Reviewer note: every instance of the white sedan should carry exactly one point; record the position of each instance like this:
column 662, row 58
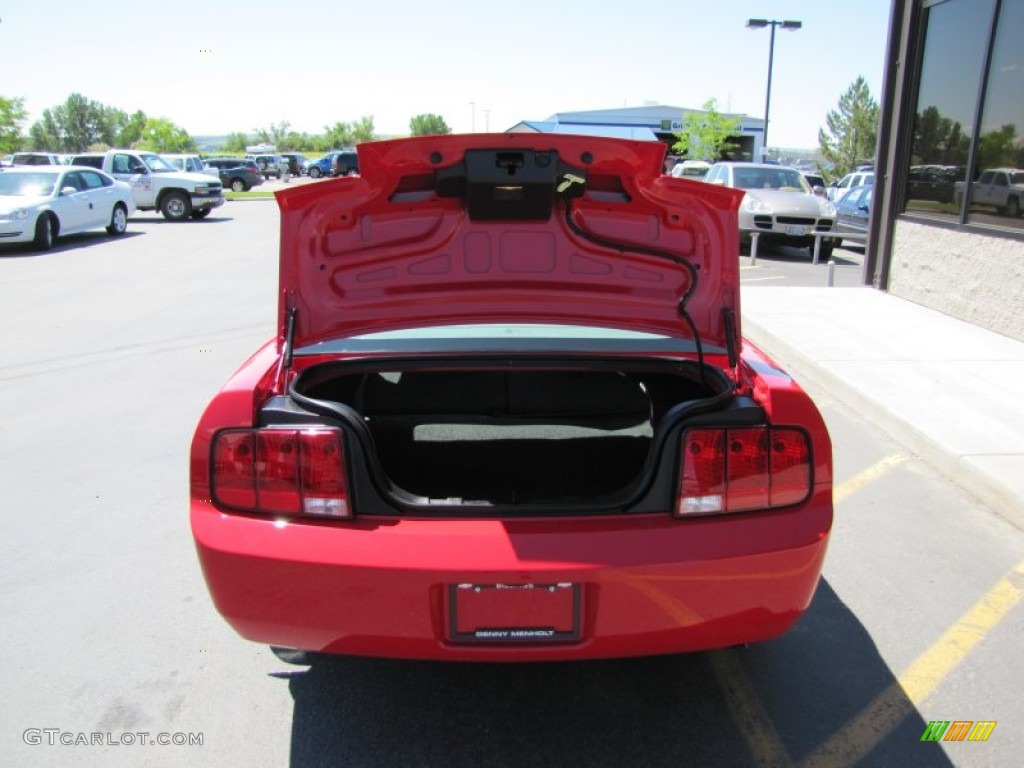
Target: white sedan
column 40, row 203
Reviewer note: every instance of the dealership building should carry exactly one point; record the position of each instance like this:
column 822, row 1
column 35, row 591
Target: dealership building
column 953, row 111
column 654, row 122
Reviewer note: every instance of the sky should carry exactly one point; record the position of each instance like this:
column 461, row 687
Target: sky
column 224, row 66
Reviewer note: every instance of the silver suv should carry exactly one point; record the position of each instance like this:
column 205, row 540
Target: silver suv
column 270, row 165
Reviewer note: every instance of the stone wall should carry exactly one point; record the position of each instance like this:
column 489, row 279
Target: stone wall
column 974, row 277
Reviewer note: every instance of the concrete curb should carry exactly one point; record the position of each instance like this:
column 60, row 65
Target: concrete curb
column 821, row 382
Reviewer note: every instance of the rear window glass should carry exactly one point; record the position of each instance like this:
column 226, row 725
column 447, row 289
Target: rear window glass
column 92, row 162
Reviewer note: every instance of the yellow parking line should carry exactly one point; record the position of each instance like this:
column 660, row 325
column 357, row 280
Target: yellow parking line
column 749, row 714
column 862, row 734
column 869, row 475
column 762, row 738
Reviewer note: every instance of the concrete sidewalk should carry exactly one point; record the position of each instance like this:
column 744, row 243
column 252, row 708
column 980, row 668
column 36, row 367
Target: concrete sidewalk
column 951, row 391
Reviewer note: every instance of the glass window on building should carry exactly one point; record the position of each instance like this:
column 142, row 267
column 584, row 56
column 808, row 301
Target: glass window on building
column 997, row 194
column 955, row 45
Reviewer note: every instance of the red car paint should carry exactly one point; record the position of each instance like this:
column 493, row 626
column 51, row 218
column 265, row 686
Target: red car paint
column 388, row 251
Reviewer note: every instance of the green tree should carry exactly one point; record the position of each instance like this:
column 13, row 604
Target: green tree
column 704, row 135
column 45, row 133
column 12, row 115
column 428, row 125
column 998, row 148
column 73, row 126
column 82, row 122
column 344, row 134
column 125, row 130
column 277, row 135
column 298, row 142
column 938, row 140
column 236, row 142
column 852, row 129
column 161, row 135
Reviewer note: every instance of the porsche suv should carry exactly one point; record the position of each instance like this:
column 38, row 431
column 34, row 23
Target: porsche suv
column 508, row 414
column 779, row 204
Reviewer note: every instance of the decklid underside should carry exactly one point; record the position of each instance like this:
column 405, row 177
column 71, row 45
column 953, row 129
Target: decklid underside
column 509, row 228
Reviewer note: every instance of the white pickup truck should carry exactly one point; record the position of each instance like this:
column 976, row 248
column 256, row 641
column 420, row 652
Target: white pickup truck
column 158, row 185
column 1001, row 188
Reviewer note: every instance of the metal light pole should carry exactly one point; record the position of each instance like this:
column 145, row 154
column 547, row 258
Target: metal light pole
column 761, row 24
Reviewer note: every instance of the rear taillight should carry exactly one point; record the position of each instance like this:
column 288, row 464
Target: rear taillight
column 281, row 472
column 742, row 469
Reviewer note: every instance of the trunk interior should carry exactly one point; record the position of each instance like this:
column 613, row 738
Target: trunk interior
column 507, row 436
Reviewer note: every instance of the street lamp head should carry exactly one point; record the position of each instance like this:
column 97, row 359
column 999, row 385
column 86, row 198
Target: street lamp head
column 757, row 23
column 792, row 24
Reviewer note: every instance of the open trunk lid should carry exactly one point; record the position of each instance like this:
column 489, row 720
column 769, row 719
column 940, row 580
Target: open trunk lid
column 509, row 228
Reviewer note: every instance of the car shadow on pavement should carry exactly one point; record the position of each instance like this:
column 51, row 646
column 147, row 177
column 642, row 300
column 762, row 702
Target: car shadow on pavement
column 156, row 218
column 791, row 701
column 74, row 242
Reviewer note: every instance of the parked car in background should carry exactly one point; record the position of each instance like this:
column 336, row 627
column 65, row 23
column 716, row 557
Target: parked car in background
column 270, row 165
column 190, row 163
column 156, row 184
column 934, row 182
column 999, row 188
column 853, row 213
column 6, row 160
column 816, row 182
column 779, row 204
column 319, row 167
column 848, row 182
column 235, row 174
column 338, row 162
column 297, row 162
column 344, row 163
column 37, row 158
column 691, row 169
column 38, row 204
column 510, row 421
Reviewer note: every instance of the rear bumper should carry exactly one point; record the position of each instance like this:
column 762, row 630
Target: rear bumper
column 648, row 584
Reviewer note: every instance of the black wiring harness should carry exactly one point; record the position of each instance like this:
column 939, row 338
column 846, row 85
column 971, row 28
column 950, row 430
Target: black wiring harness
column 569, row 180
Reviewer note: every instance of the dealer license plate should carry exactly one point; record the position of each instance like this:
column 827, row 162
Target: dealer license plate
column 514, row 613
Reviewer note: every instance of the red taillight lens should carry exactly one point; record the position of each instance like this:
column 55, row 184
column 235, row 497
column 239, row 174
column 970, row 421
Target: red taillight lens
column 737, row 470
column 702, row 485
column 747, row 471
column 791, row 467
column 234, row 469
column 281, row 472
column 277, row 471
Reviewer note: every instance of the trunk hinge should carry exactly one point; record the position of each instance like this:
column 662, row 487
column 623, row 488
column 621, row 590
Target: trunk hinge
column 289, row 338
column 285, row 363
column 731, row 342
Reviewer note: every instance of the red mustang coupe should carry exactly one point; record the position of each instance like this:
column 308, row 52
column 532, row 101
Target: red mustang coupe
column 509, row 415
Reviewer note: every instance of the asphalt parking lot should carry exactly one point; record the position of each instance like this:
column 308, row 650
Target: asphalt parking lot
column 112, row 347
column 779, row 265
